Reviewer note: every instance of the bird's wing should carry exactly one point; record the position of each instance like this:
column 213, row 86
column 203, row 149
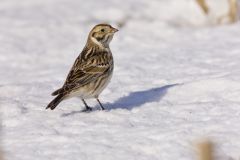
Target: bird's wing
column 84, row 72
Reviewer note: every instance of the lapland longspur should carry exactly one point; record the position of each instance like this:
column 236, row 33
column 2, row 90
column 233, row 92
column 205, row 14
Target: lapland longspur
column 91, row 71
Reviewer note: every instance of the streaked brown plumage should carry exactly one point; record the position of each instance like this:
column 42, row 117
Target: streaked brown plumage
column 92, row 69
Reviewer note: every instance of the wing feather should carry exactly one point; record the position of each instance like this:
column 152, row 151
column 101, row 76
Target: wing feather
column 86, row 71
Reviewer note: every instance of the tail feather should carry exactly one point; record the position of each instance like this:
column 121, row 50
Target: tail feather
column 53, row 104
column 56, row 92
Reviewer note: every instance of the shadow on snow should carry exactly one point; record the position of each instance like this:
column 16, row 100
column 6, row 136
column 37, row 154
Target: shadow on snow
column 134, row 99
column 138, row 98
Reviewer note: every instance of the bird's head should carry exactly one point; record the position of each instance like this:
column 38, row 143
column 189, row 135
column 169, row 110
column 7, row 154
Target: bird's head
column 102, row 34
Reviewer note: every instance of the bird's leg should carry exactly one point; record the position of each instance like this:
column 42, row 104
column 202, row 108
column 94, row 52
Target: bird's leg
column 100, row 104
column 87, row 107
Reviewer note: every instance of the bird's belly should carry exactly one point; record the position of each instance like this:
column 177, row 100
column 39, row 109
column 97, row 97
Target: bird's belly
column 93, row 89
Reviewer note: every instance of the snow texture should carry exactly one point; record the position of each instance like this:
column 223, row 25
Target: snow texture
column 176, row 80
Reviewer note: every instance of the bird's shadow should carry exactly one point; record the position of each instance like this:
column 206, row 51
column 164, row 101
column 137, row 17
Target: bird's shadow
column 138, row 98
column 134, row 99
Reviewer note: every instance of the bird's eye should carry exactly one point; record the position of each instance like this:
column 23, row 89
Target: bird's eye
column 102, row 30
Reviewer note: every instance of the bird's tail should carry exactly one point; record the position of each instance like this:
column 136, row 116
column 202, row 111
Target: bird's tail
column 53, row 104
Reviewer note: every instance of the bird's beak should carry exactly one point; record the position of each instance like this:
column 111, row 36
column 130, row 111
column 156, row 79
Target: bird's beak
column 114, row 30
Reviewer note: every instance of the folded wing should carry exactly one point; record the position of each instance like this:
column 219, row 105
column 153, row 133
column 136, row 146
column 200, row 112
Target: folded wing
column 84, row 72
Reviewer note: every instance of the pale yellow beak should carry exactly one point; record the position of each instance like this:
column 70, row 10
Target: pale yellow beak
column 114, row 30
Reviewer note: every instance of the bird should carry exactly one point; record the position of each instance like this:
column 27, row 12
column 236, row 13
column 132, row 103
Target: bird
column 91, row 71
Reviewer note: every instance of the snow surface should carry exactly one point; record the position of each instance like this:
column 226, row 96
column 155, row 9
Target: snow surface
column 176, row 80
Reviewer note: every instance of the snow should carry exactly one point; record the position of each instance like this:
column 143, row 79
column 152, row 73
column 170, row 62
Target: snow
column 176, row 81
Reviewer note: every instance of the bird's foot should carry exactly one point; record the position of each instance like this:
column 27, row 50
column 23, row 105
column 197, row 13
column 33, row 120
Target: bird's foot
column 87, row 109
